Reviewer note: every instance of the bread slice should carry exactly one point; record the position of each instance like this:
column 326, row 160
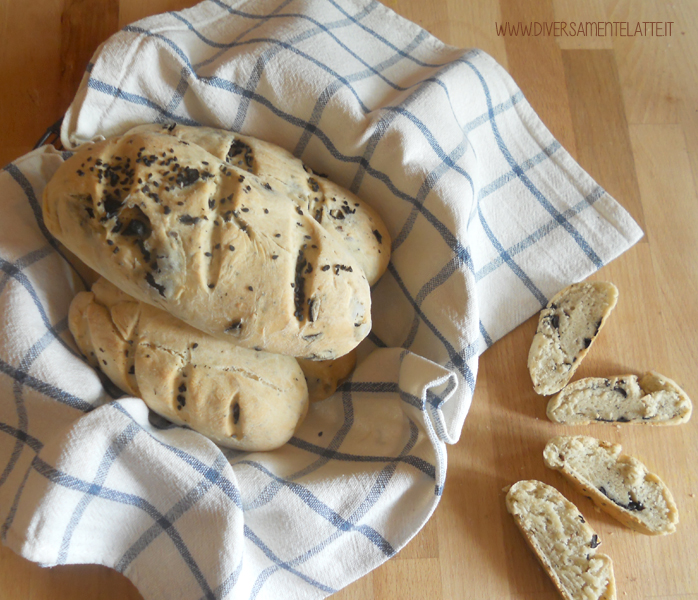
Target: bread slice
column 562, row 540
column 652, row 400
column 567, row 327
column 619, row 484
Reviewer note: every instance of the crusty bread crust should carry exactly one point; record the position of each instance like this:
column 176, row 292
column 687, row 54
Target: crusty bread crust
column 216, row 246
column 338, row 210
column 238, row 398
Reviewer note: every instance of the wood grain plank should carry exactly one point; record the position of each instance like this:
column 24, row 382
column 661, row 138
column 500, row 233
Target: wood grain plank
column 652, row 70
column 131, row 11
column 30, row 72
column 85, row 24
column 408, row 579
column 536, row 65
column 474, row 529
column 20, row 578
column 361, row 589
column 580, row 18
column 424, row 545
column 600, row 126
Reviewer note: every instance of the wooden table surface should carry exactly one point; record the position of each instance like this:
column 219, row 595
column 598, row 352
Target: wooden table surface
column 627, row 109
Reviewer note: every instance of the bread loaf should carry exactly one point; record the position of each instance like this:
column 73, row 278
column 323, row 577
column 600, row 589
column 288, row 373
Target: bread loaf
column 238, row 398
column 339, row 211
column 224, row 250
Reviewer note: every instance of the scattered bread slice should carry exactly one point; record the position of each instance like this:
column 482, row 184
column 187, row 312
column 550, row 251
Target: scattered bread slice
column 562, row 540
column 652, row 399
column 567, row 327
column 619, row 484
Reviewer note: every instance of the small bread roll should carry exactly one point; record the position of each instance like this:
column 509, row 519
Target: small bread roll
column 238, row 398
column 226, row 251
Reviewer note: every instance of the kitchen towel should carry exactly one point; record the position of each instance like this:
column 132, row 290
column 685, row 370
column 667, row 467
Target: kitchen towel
column 489, row 216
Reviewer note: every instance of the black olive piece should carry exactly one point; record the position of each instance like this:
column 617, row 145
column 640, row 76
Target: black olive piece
column 236, row 413
column 314, row 185
column 137, row 229
column 112, row 205
column 299, row 287
column 234, row 327
column 187, row 176
column 151, row 281
column 621, row 391
column 379, row 237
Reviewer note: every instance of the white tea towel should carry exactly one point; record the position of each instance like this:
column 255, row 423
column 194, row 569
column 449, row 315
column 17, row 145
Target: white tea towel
column 489, row 215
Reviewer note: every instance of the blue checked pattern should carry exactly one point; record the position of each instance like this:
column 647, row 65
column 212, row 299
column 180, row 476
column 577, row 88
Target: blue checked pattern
column 489, row 217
